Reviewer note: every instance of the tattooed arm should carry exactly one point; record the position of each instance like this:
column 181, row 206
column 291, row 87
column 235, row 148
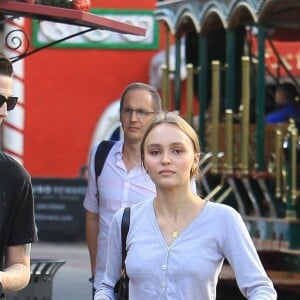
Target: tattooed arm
column 17, row 272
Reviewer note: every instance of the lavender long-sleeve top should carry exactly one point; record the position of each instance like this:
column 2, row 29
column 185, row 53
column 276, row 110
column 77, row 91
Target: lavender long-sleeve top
column 188, row 269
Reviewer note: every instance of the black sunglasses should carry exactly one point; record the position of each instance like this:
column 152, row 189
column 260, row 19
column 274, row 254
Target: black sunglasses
column 10, row 101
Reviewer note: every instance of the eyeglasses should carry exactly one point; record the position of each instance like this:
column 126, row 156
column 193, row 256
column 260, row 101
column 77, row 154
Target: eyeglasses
column 10, row 101
column 138, row 112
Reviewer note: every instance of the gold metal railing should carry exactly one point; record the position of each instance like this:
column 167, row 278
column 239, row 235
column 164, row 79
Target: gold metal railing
column 294, row 141
column 278, row 164
column 215, row 114
column 189, row 93
column 245, row 115
column 229, row 141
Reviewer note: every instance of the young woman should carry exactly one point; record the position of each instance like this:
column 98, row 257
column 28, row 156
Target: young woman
column 177, row 242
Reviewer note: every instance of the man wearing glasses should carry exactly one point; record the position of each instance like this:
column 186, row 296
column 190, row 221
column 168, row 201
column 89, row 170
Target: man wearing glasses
column 123, row 181
column 17, row 226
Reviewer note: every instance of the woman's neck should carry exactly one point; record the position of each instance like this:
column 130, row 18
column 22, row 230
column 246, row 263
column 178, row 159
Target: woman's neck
column 174, row 215
column 175, row 203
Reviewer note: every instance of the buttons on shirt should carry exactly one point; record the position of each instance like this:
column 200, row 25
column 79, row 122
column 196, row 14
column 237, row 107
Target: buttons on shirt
column 164, row 267
column 163, row 284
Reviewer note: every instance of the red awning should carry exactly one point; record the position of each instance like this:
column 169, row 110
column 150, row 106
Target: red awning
column 67, row 16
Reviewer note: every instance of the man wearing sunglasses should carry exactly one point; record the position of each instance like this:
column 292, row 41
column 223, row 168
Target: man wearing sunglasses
column 17, row 226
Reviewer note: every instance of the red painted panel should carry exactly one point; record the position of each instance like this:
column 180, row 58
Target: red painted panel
column 66, row 91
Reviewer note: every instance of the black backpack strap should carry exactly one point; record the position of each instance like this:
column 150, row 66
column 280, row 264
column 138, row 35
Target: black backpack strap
column 100, row 157
column 101, row 154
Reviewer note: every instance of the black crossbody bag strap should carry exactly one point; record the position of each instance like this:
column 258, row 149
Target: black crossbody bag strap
column 124, row 232
column 121, row 288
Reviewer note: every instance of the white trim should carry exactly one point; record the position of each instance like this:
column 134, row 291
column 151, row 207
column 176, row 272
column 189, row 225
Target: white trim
column 108, row 122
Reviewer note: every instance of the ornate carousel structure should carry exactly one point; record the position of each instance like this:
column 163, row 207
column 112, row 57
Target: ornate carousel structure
column 236, row 52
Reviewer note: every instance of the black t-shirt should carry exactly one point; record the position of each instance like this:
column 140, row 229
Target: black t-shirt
column 17, row 225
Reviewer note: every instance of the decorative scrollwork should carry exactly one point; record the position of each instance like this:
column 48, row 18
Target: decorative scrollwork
column 17, row 40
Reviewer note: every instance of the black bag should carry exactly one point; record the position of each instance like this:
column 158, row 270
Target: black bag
column 121, row 288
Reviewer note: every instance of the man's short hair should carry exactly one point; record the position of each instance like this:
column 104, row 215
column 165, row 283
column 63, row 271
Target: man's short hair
column 6, row 67
column 156, row 100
